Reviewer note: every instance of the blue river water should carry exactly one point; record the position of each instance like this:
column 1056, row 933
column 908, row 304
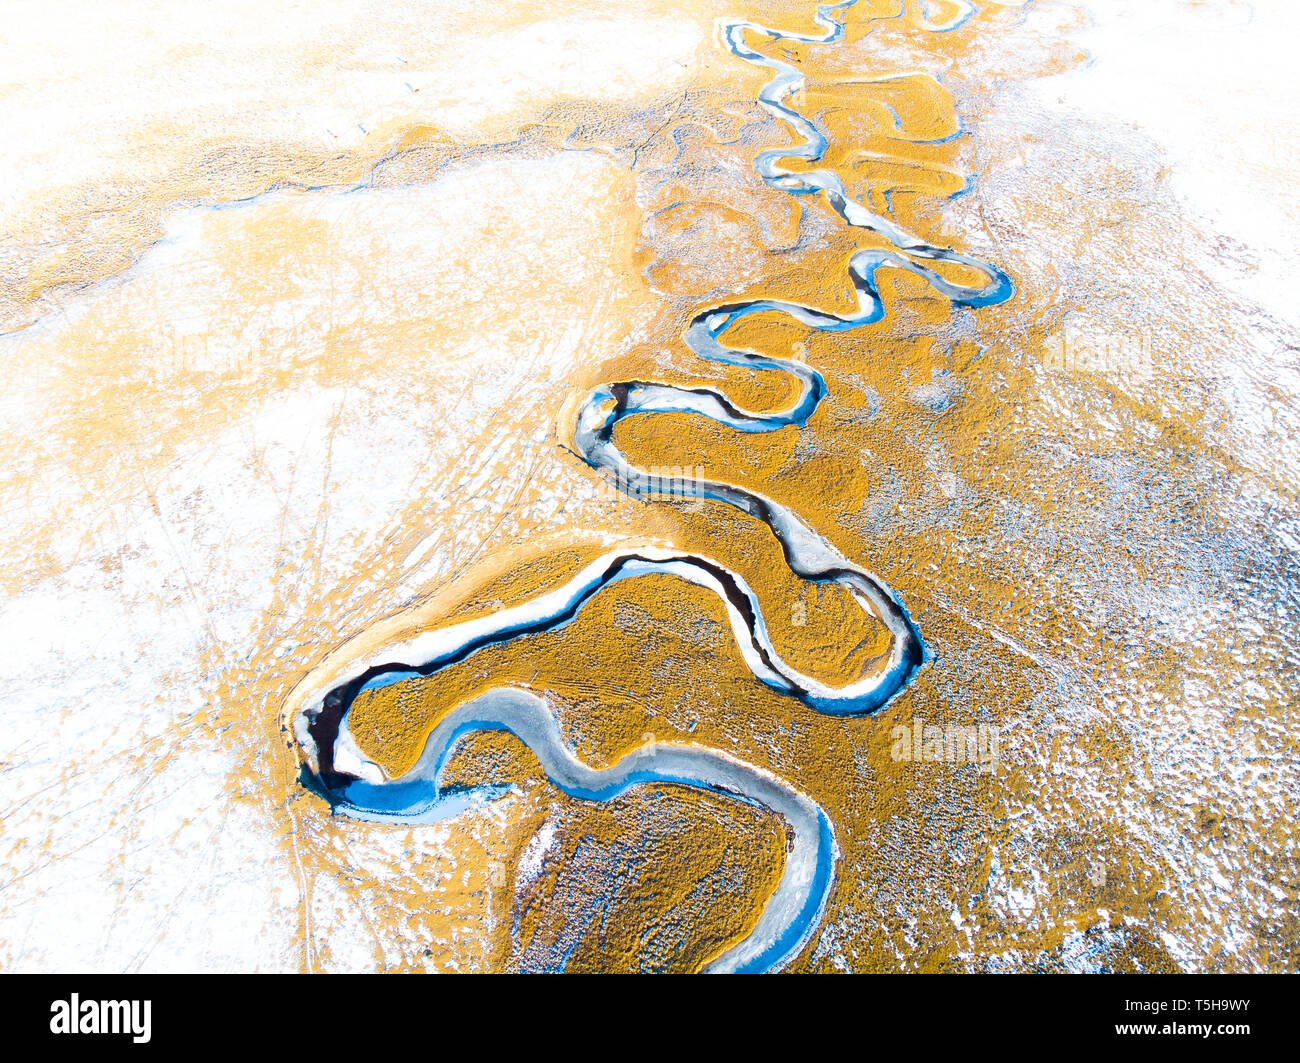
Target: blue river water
column 358, row 788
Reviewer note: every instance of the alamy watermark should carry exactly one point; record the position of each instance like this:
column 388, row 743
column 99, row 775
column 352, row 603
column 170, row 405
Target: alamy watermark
column 1087, row 345
column 77, row 1016
column 952, row 743
column 658, row 483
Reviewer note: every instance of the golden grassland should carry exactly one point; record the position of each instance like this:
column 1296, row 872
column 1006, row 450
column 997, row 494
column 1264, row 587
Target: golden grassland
column 945, row 458
column 655, row 657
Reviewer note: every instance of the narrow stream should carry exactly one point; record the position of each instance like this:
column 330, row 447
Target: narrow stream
column 359, row 788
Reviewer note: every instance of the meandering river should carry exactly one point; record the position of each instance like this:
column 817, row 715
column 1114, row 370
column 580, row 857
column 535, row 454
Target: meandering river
column 317, row 715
